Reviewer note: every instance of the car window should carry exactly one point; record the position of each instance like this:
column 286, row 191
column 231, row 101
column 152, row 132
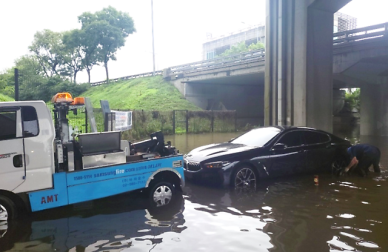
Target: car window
column 7, row 125
column 30, row 121
column 315, row 137
column 292, row 139
column 257, row 137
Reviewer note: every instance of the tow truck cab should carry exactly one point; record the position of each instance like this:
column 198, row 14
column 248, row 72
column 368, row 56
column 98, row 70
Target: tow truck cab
column 26, row 146
column 42, row 166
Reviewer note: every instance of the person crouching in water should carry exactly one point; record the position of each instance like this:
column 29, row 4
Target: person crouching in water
column 361, row 157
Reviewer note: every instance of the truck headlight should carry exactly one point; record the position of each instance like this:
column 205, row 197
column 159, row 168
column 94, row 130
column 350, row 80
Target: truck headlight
column 218, row 164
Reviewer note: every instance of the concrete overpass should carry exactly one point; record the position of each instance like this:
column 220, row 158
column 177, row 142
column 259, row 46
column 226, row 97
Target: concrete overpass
column 360, row 59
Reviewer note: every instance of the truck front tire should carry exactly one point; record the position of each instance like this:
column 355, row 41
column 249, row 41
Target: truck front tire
column 161, row 194
column 8, row 209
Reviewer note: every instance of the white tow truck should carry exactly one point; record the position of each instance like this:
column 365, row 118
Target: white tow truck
column 42, row 166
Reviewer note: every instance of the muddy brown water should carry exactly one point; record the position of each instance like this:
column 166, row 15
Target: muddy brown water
column 288, row 214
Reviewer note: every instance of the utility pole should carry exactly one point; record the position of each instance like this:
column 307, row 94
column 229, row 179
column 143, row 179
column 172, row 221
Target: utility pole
column 16, row 84
column 153, row 46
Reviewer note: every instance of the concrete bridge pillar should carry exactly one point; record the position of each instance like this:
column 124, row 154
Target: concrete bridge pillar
column 299, row 62
column 374, row 110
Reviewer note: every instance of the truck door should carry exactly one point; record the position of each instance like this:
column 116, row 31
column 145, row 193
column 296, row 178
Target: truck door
column 12, row 167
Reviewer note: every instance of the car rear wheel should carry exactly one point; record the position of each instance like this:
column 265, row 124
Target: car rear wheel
column 338, row 165
column 244, row 179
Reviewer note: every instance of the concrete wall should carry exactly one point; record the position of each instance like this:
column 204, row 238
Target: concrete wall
column 247, row 100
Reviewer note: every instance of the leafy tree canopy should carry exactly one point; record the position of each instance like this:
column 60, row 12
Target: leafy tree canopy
column 48, row 49
column 33, row 85
column 107, row 30
column 241, row 47
column 74, row 53
column 57, row 57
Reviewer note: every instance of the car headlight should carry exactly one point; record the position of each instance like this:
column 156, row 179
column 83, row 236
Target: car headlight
column 218, row 164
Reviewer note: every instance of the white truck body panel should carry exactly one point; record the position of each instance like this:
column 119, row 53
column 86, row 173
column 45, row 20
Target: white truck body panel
column 39, row 151
column 11, row 177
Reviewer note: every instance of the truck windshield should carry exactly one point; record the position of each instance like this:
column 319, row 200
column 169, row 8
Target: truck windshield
column 257, row 137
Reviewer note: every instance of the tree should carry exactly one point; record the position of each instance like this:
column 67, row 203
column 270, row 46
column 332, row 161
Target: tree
column 110, row 40
column 352, row 98
column 89, row 47
column 106, row 31
column 34, row 85
column 256, row 46
column 74, row 53
column 6, row 81
column 48, row 48
column 29, row 70
column 241, row 47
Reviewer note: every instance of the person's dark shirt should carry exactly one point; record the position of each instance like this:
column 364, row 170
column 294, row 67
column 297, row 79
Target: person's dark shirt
column 359, row 150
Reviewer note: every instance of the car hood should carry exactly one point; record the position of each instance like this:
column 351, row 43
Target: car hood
column 216, row 150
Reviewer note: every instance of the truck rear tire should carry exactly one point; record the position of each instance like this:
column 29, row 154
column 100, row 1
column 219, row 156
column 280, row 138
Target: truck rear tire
column 8, row 209
column 161, row 194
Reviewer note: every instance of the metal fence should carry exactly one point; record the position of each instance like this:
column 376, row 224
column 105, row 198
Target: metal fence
column 169, row 122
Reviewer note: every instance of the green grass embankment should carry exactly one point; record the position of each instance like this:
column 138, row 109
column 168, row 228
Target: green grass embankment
column 151, row 93
column 4, row 98
column 152, row 101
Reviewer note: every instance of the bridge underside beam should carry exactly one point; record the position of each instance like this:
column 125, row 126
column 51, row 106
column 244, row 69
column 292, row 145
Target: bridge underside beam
column 299, row 68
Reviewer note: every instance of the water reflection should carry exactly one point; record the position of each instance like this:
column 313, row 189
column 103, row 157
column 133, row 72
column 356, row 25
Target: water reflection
column 115, row 223
column 292, row 214
column 287, row 214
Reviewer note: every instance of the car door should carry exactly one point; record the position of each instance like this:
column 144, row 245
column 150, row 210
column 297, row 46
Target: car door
column 318, row 150
column 12, row 167
column 287, row 154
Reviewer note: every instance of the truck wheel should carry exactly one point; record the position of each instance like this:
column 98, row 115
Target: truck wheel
column 7, row 209
column 161, row 194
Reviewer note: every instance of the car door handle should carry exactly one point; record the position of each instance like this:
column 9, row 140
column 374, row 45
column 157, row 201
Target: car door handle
column 18, row 161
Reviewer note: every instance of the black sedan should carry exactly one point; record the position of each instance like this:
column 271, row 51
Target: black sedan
column 267, row 152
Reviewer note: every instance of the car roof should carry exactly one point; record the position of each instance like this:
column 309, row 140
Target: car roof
column 287, row 127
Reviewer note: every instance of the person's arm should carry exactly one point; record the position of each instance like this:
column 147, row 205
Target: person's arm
column 352, row 164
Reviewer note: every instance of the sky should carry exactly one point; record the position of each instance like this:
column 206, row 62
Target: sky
column 180, row 27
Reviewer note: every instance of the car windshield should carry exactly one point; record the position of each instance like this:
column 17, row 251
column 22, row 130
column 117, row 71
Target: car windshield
column 257, row 137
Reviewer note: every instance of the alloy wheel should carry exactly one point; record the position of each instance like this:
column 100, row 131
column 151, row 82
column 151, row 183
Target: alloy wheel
column 338, row 166
column 3, row 213
column 245, row 179
column 162, row 195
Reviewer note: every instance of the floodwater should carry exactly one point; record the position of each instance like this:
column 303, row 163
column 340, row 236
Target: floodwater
column 288, row 214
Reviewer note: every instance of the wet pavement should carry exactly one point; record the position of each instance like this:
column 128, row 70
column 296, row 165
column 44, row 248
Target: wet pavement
column 288, row 214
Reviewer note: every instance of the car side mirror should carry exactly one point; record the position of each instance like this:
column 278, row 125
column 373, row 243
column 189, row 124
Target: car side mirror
column 279, row 146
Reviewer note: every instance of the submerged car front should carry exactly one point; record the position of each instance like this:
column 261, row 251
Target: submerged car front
column 216, row 162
